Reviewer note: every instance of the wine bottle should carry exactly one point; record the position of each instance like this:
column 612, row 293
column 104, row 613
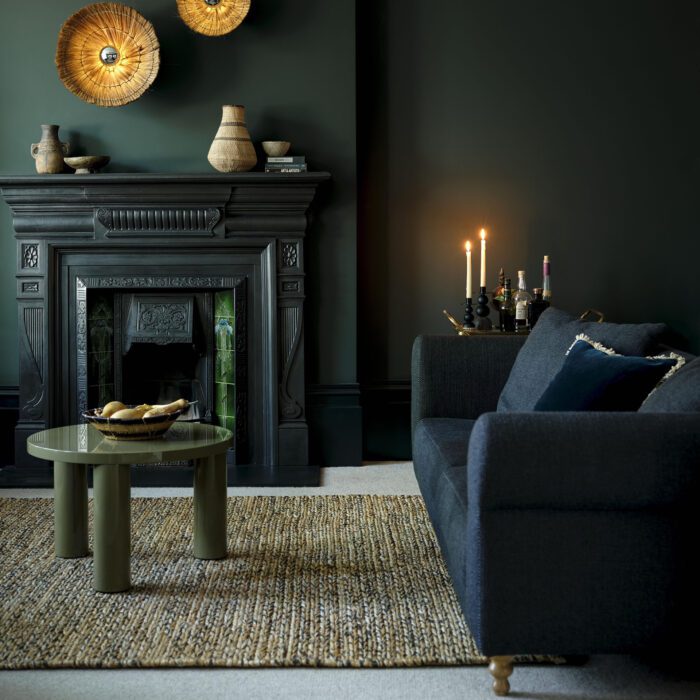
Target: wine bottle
column 507, row 310
column 546, row 289
column 536, row 307
column 521, row 298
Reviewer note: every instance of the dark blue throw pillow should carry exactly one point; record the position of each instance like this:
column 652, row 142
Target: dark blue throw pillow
column 593, row 379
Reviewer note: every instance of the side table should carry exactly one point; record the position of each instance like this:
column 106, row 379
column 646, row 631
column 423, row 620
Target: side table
column 74, row 447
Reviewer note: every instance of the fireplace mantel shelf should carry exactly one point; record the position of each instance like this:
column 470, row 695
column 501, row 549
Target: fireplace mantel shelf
column 253, row 178
column 140, row 232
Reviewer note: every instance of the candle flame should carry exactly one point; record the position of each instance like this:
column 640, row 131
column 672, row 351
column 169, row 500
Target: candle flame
column 482, row 233
column 468, row 246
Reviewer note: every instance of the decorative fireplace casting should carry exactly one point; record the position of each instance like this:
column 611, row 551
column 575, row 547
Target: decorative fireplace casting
column 164, row 253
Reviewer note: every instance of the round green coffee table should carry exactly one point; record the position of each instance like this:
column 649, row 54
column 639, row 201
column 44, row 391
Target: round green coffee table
column 74, row 447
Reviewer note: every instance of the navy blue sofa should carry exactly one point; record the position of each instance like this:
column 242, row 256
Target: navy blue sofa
column 564, row 533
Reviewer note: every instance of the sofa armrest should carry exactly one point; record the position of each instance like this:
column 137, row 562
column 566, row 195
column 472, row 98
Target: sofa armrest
column 459, row 376
column 583, row 461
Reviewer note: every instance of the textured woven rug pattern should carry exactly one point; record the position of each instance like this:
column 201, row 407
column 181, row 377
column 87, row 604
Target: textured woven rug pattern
column 309, row 581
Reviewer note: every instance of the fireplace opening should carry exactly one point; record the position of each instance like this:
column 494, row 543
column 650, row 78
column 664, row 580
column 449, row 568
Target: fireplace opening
column 166, row 345
column 152, row 347
column 160, row 374
column 161, row 344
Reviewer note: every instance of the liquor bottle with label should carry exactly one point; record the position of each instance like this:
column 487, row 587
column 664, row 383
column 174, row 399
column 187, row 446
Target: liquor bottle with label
column 521, row 298
column 546, row 289
column 507, row 309
column 536, row 307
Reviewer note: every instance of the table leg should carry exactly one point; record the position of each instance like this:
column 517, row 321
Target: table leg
column 70, row 503
column 210, row 507
column 112, row 546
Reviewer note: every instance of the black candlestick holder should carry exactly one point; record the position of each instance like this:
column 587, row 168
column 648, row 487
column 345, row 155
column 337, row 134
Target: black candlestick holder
column 483, row 323
column 468, row 313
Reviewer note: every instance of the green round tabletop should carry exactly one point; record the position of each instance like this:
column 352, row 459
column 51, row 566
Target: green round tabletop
column 83, row 444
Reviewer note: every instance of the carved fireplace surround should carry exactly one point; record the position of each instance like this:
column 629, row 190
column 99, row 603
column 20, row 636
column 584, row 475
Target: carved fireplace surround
column 192, row 234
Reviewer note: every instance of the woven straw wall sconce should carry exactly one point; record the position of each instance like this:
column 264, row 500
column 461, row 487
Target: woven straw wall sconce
column 213, row 17
column 107, row 54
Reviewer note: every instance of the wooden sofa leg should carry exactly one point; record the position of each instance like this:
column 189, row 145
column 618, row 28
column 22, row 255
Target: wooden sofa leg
column 500, row 668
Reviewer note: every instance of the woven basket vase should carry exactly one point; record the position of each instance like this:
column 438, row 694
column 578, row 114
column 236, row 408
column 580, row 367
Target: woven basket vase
column 232, row 150
column 213, row 17
column 107, row 54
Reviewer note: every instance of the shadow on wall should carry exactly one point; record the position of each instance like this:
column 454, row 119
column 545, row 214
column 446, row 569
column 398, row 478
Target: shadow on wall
column 186, row 56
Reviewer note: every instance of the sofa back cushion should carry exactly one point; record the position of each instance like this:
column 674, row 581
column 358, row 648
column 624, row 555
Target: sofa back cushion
column 680, row 394
column 543, row 353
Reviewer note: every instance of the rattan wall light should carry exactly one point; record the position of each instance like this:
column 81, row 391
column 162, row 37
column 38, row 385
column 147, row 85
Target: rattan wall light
column 107, row 54
column 213, row 17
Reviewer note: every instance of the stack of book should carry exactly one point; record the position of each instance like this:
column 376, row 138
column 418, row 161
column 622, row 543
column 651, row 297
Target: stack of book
column 286, row 164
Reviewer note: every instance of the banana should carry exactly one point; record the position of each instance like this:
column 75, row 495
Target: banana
column 111, row 408
column 132, row 413
column 155, row 411
column 172, row 407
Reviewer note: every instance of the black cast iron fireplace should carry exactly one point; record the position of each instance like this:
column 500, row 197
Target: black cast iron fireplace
column 150, row 287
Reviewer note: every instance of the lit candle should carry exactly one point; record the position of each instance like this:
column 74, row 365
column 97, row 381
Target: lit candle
column 483, row 257
column 468, row 247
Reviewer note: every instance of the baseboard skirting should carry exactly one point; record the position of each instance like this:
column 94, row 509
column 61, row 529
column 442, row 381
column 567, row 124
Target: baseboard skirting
column 386, row 416
column 349, row 423
column 334, row 414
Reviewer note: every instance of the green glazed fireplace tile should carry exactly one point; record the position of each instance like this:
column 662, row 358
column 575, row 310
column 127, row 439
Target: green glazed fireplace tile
column 223, row 303
column 230, row 400
column 100, row 307
column 225, row 360
column 100, row 313
column 220, row 402
column 224, row 371
column 224, row 333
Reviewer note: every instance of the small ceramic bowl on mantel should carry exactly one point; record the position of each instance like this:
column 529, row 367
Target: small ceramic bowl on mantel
column 86, row 165
column 276, row 149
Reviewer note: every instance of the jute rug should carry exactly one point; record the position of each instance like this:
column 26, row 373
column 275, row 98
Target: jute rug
column 309, row 581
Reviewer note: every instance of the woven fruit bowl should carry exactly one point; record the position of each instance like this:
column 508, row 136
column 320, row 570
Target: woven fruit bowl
column 132, row 428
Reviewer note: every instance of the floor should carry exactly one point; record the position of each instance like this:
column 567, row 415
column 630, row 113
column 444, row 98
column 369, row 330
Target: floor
column 602, row 678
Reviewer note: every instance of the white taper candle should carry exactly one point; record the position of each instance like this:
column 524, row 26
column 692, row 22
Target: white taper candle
column 468, row 247
column 483, row 257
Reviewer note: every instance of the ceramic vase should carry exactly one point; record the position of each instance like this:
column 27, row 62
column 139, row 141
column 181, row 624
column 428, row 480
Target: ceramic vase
column 50, row 151
column 232, row 151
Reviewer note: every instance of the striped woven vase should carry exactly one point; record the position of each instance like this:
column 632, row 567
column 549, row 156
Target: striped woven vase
column 232, row 150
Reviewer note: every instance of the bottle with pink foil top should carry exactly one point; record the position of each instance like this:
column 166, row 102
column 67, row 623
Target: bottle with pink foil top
column 546, row 289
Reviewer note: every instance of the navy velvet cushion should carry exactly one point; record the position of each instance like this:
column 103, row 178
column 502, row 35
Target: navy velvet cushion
column 680, row 394
column 543, row 353
column 593, row 380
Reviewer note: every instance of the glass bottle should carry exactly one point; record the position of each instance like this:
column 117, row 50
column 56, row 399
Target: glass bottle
column 497, row 294
column 546, row 289
column 536, row 307
column 521, row 298
column 507, row 310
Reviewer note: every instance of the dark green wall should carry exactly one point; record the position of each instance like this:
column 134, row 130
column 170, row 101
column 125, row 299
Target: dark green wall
column 567, row 128
column 291, row 63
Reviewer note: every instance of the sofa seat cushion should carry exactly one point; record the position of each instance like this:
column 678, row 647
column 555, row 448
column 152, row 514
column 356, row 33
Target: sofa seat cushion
column 679, row 394
column 543, row 354
column 440, row 448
